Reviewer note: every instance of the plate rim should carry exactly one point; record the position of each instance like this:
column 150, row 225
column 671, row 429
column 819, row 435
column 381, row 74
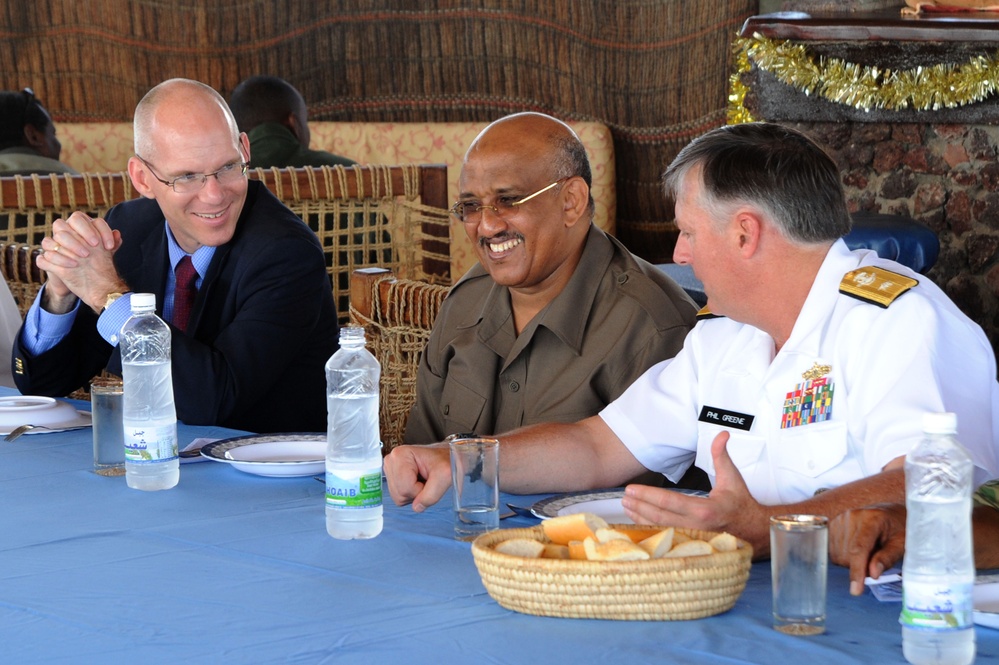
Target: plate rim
column 83, row 419
column 983, row 617
column 548, row 508
column 216, row 450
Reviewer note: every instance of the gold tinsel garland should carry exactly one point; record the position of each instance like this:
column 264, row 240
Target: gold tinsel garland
column 861, row 86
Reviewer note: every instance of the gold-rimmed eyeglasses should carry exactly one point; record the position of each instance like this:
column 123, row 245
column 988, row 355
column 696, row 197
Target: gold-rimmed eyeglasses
column 194, row 182
column 503, row 206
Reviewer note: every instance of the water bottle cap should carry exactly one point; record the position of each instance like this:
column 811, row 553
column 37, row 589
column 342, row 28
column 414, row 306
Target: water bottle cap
column 352, row 334
column 940, row 423
column 143, row 302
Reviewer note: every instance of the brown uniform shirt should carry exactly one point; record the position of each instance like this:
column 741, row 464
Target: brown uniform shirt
column 617, row 316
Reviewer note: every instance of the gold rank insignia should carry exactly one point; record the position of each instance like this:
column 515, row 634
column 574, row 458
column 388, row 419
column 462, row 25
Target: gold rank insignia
column 816, row 372
column 875, row 285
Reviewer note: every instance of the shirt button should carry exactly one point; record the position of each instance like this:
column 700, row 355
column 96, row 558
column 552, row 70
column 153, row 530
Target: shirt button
column 514, row 386
column 811, row 465
column 447, row 409
column 622, row 279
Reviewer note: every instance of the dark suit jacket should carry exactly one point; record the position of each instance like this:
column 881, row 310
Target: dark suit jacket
column 262, row 328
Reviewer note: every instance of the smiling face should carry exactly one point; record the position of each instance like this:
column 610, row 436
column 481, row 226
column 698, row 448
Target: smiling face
column 189, row 132
column 535, row 245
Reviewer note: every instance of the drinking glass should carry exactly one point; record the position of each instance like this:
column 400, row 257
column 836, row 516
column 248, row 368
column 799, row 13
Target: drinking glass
column 109, row 439
column 799, row 558
column 475, row 477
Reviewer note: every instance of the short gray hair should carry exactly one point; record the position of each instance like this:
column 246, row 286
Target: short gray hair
column 776, row 168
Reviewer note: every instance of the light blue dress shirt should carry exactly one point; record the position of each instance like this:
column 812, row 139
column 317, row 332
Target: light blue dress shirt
column 43, row 330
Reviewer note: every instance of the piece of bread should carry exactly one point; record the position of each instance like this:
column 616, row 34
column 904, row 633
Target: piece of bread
column 659, row 544
column 680, row 537
column 607, row 534
column 576, row 550
column 636, row 533
column 578, row 526
column 553, row 551
column 724, row 542
column 689, row 548
column 614, row 550
column 525, row 547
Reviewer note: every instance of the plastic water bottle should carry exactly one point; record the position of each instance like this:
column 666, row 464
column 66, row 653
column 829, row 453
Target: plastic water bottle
column 938, row 571
column 353, row 446
column 148, row 414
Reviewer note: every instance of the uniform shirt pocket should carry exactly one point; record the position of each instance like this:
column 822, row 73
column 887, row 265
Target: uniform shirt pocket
column 812, row 450
column 460, row 407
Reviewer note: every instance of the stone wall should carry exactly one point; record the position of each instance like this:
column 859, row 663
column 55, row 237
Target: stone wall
column 946, row 176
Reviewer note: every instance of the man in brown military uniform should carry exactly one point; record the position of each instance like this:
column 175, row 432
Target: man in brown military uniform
column 558, row 318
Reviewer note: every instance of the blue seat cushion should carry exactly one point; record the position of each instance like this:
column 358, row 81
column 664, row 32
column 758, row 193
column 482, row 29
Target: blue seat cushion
column 894, row 237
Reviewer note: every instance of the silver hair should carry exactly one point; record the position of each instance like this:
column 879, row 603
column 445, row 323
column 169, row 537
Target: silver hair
column 777, row 169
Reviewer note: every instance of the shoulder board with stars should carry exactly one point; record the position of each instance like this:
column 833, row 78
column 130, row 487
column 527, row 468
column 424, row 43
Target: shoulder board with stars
column 875, row 285
column 706, row 313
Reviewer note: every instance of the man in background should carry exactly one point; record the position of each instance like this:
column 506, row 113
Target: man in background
column 273, row 115
column 28, row 142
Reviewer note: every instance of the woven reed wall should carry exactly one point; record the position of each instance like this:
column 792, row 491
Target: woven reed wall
column 654, row 71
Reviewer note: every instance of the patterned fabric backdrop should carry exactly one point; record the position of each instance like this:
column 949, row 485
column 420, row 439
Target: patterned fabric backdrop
column 654, row 71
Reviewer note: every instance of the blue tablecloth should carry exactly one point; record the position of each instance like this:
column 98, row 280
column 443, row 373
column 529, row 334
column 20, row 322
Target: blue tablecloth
column 234, row 568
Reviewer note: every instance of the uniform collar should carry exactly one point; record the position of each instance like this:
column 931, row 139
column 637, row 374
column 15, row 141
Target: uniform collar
column 806, row 336
column 565, row 316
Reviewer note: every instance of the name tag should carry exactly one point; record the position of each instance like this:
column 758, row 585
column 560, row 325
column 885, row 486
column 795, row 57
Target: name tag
column 734, row 419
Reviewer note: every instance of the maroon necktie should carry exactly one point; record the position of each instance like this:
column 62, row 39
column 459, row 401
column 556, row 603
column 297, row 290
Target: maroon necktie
column 183, row 295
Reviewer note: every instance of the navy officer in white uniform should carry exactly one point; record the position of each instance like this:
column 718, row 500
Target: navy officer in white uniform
column 803, row 389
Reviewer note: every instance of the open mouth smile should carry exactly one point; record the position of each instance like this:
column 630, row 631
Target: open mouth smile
column 504, row 246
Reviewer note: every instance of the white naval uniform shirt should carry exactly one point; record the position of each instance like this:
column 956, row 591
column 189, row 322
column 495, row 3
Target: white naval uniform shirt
column 887, row 367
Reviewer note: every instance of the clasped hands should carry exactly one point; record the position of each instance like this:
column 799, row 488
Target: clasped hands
column 78, row 262
column 422, row 474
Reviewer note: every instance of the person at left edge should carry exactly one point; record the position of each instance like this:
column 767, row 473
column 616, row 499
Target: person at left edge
column 263, row 322
column 28, row 142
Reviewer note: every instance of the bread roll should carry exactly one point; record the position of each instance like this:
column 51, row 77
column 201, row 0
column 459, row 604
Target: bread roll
column 553, row 551
column 659, row 544
column 526, row 547
column 578, row 526
column 636, row 533
column 614, row 550
column 680, row 537
column 689, row 548
column 605, row 535
column 724, row 542
column 576, row 550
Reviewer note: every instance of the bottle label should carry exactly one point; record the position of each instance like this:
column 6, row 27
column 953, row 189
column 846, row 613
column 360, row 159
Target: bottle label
column 354, row 491
column 150, row 443
column 936, row 606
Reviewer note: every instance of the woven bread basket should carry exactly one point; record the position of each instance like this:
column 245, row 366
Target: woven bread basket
column 653, row 590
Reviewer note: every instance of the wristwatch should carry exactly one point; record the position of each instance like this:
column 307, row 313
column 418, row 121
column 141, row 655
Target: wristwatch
column 114, row 295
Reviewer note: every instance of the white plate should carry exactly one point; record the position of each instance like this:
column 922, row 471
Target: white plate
column 55, row 415
column 604, row 503
column 273, row 455
column 986, row 601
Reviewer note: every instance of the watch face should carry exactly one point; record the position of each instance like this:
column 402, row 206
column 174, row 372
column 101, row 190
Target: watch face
column 110, row 299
